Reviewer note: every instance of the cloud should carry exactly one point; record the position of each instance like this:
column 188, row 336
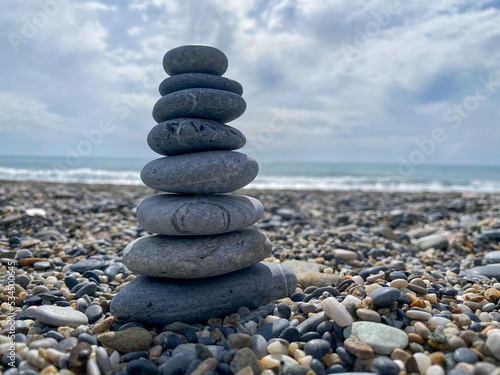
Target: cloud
column 359, row 80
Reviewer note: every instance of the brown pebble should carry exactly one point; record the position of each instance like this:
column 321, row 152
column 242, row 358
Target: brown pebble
column 413, row 337
column 104, row 326
column 437, row 358
column 27, row 262
column 492, row 295
column 400, row 354
column 358, row 348
column 77, row 361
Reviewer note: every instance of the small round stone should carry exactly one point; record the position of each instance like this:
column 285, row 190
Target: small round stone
column 195, row 58
column 385, row 366
column 317, row 348
column 217, row 105
column 209, row 172
column 465, row 355
column 187, row 135
column 93, row 312
column 384, row 297
column 181, row 215
column 198, row 80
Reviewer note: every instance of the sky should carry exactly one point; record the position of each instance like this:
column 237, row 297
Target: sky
column 414, row 82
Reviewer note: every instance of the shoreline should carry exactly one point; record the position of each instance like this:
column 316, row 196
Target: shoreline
column 141, row 186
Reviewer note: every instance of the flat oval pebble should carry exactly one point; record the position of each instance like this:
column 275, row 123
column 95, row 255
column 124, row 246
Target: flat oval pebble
column 163, row 301
column 200, row 81
column 186, row 135
column 60, row 316
column 210, row 172
column 186, row 215
column 382, row 338
column 384, row 297
column 196, row 257
column 418, row 314
column 195, row 58
column 217, row 105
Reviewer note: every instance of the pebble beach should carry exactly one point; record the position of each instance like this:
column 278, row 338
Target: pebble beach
column 388, row 283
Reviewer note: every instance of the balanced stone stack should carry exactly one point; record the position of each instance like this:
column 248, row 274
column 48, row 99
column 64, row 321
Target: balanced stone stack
column 204, row 261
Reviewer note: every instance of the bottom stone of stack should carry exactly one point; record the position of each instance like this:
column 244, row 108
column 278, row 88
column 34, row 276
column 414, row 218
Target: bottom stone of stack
column 160, row 301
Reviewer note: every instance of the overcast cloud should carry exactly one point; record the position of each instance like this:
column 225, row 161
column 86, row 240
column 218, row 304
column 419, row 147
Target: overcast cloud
column 324, row 80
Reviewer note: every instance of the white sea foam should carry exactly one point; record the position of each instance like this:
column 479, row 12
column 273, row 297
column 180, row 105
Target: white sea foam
column 385, row 183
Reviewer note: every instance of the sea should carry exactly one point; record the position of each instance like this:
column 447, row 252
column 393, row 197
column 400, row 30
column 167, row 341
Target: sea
column 272, row 175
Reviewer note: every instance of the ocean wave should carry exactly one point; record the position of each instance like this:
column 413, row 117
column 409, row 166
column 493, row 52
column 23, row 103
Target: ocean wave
column 81, row 175
column 381, row 183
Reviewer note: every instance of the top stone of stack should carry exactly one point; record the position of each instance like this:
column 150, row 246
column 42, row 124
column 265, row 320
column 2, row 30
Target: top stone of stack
column 195, row 58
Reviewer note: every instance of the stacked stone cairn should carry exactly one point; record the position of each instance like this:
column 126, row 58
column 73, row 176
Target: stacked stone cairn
column 204, row 261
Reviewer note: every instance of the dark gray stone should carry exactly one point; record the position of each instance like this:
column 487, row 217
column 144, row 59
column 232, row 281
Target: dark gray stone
column 187, row 215
column 186, row 135
column 88, row 289
column 489, row 271
column 217, row 105
column 60, row 316
column 383, row 297
column 273, row 329
column 209, row 172
column 93, row 312
column 465, row 355
column 88, row 265
column 490, row 235
column 385, row 366
column 317, row 348
column 196, row 257
column 198, row 81
column 162, row 301
column 195, row 58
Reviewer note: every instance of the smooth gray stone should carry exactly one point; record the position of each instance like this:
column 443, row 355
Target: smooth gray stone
column 188, row 215
column 200, row 81
column 60, row 316
column 195, row 58
column 163, row 301
column 489, row 271
column 186, row 135
column 217, row 105
column 196, row 257
column 209, row 172
column 492, row 257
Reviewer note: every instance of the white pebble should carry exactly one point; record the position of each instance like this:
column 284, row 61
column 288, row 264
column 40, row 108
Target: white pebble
column 351, row 300
column 423, row 362
column 336, row 311
column 277, row 348
column 434, row 370
column 493, row 344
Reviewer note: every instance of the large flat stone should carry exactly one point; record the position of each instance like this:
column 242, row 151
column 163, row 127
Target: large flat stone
column 60, row 316
column 188, row 215
column 382, row 338
column 216, row 105
column 195, row 58
column 163, row 301
column 186, row 135
column 198, row 80
column 196, row 257
column 209, row 172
